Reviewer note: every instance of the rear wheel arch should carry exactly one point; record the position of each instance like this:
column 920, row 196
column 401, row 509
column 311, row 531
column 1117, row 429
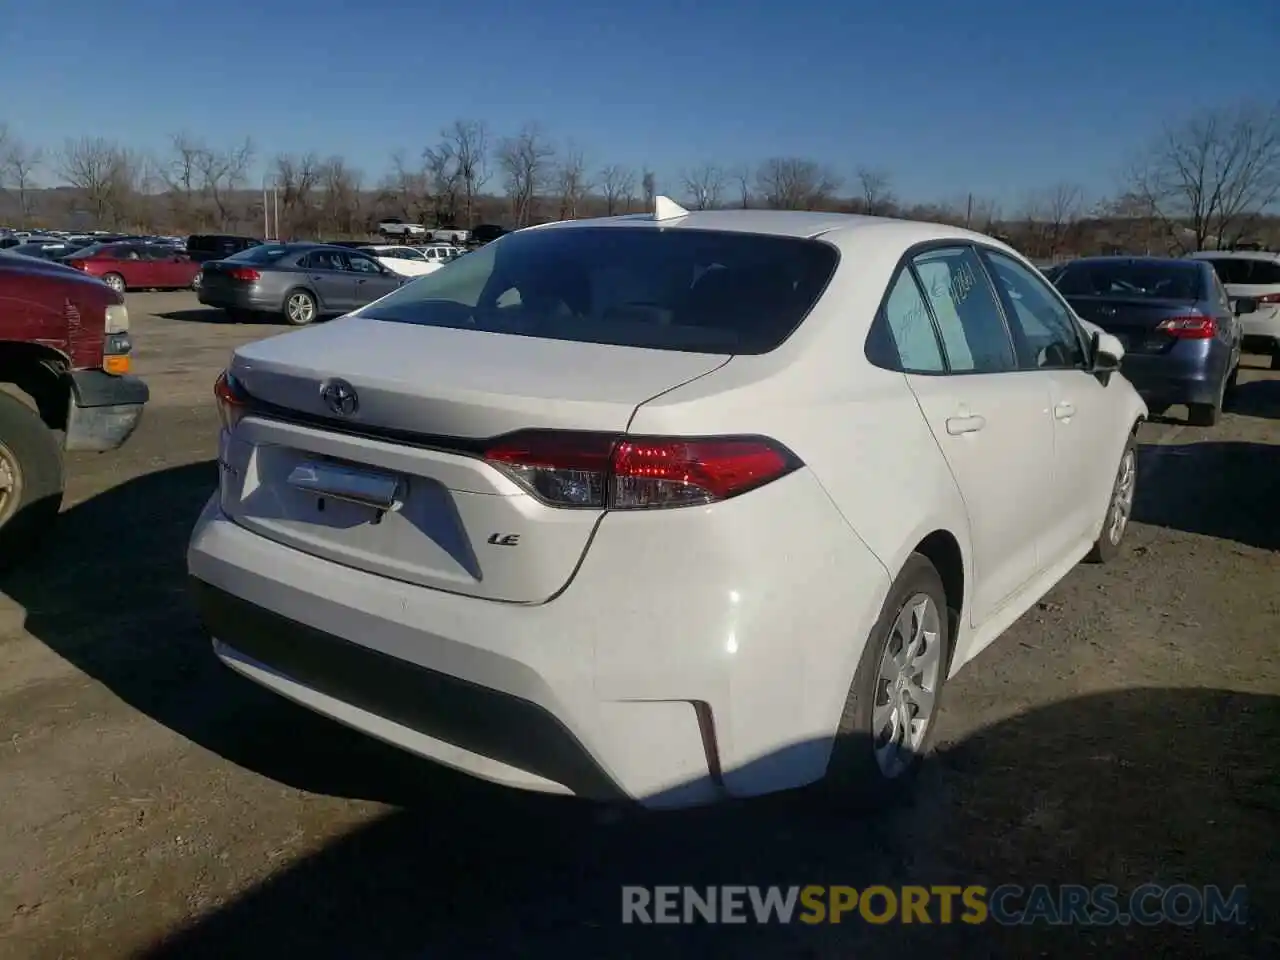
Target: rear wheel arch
column 942, row 549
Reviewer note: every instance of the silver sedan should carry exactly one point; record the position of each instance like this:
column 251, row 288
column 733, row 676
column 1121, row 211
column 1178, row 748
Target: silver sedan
column 300, row 282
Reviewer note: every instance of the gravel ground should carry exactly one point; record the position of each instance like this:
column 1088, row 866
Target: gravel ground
column 153, row 804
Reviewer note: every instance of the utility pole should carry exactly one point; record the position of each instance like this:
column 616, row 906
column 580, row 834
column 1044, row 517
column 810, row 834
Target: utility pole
column 968, row 212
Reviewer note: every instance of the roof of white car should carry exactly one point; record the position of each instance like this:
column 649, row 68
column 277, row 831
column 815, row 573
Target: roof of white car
column 781, row 223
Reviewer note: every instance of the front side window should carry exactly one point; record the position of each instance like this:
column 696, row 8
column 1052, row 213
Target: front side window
column 363, row 265
column 1049, row 338
column 969, row 319
column 689, row 290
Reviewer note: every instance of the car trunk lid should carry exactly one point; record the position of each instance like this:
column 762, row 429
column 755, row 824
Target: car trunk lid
column 1135, row 321
column 397, row 483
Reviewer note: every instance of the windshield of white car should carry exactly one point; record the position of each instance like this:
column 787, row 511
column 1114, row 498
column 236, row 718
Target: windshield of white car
column 689, row 290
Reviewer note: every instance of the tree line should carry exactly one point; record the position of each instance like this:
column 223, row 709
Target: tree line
column 1208, row 179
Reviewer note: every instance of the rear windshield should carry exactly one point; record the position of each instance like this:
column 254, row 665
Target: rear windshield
column 1130, row 278
column 263, row 253
column 691, row 290
column 1246, row 270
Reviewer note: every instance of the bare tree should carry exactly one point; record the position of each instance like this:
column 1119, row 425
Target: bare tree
column 222, row 172
column 526, row 161
column 1209, row 178
column 705, row 185
column 1052, row 215
column 405, row 187
column 876, row 188
column 794, row 183
column 742, row 176
column 339, row 197
column 296, row 178
column 182, row 179
column 571, row 181
column 19, row 164
column 618, row 185
column 443, row 181
column 103, row 172
column 469, row 143
column 649, row 186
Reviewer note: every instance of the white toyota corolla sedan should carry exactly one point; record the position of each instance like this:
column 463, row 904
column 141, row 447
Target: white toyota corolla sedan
column 668, row 507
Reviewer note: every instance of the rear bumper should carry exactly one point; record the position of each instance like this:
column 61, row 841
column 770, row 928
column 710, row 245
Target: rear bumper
column 1262, row 326
column 104, row 410
column 1194, row 375
column 673, row 672
column 239, row 299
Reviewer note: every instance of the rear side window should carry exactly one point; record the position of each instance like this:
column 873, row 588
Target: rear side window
column 691, row 290
column 1262, row 272
column 911, row 329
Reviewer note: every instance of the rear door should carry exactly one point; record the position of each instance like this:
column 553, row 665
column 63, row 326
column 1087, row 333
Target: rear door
column 454, row 521
column 1086, row 434
column 990, row 419
column 130, row 260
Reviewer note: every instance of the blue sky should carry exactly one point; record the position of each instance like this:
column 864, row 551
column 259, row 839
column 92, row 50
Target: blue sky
column 994, row 96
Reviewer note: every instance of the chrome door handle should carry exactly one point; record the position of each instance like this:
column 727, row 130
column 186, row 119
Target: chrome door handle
column 1064, row 411
column 971, row 424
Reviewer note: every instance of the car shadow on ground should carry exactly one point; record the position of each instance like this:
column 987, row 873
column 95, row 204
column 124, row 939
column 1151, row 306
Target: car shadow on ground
column 1128, row 787
column 1223, row 489
column 126, row 620
column 206, row 315
column 1257, row 398
column 1146, row 785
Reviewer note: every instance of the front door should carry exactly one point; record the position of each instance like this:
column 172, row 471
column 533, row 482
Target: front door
column 991, row 420
column 372, row 281
column 1086, row 436
column 332, row 281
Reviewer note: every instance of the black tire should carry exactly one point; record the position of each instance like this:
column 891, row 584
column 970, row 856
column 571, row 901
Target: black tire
column 115, row 281
column 1106, row 547
column 1203, row 414
column 855, row 778
column 299, row 292
column 31, row 451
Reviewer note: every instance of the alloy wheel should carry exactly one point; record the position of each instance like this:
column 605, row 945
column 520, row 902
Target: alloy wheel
column 907, row 685
column 1122, row 498
column 10, row 484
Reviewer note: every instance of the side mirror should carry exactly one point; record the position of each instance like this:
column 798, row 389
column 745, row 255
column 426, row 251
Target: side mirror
column 1107, row 353
column 1245, row 305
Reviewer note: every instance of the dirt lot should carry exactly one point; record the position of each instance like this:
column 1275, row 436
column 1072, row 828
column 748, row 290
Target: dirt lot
column 153, row 804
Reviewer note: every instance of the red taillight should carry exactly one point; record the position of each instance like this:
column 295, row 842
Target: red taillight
column 1194, row 327
column 233, row 401
column 1269, row 298
column 570, row 469
column 247, row 274
column 78, row 264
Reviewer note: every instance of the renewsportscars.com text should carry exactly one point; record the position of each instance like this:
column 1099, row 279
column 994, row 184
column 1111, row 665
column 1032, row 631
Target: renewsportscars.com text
column 1008, row 905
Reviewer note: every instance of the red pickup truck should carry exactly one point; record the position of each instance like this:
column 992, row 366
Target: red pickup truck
column 64, row 385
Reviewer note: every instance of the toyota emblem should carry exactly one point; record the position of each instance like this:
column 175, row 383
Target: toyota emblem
column 340, row 397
